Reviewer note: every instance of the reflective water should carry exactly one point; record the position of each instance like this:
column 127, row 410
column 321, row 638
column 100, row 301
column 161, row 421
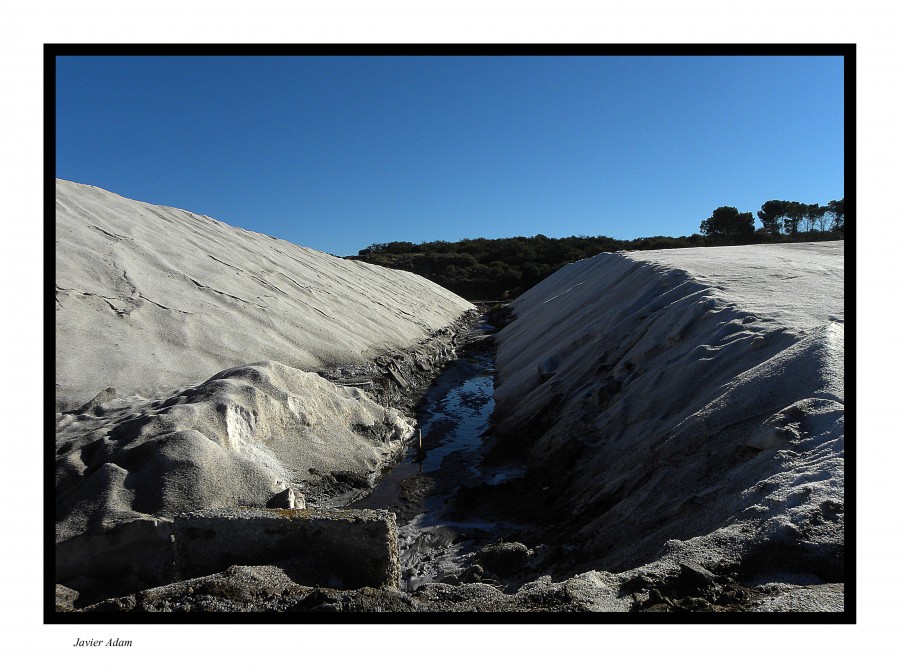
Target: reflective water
column 454, row 418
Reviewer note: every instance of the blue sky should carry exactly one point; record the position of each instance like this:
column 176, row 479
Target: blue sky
column 337, row 153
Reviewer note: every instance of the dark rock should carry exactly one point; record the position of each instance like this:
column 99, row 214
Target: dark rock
column 694, row 576
column 472, row 574
column 638, row 583
column 504, row 559
column 656, row 598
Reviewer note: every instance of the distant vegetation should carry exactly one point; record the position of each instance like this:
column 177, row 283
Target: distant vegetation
column 488, row 269
column 781, row 221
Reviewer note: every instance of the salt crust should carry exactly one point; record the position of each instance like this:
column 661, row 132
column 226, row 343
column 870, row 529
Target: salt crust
column 698, row 397
column 154, row 298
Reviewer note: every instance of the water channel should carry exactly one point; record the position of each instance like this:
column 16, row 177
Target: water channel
column 437, row 542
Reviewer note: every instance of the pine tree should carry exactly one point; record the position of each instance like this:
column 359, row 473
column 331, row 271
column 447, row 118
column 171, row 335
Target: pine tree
column 727, row 225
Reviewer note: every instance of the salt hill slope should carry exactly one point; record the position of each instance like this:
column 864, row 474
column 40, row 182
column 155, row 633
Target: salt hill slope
column 685, row 405
column 183, row 350
column 151, row 297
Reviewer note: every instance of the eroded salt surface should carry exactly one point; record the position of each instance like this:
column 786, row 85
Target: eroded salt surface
column 152, row 297
column 235, row 440
column 689, row 404
column 175, row 311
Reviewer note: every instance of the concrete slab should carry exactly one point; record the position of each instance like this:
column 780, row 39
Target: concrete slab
column 344, row 549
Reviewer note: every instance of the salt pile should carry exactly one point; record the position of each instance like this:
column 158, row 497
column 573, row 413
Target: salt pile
column 184, row 351
column 154, row 298
column 686, row 405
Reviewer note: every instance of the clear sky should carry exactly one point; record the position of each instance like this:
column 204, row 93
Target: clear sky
column 337, row 153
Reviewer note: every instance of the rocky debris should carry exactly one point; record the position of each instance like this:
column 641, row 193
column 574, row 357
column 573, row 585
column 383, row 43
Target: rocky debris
column 271, row 588
column 335, row 489
column 689, row 587
column 353, row 479
column 693, row 575
column 345, row 549
column 279, row 587
column 397, row 377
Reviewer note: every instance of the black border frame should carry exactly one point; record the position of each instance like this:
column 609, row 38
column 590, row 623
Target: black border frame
column 845, row 50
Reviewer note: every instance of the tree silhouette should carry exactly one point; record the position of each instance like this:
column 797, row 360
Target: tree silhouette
column 772, row 215
column 814, row 217
column 728, row 226
column 836, row 211
column 795, row 213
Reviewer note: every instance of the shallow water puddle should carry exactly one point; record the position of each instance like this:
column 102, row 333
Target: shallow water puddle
column 453, row 416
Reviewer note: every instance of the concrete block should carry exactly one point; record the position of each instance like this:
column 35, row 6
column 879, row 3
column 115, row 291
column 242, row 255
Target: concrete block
column 140, row 548
column 343, row 549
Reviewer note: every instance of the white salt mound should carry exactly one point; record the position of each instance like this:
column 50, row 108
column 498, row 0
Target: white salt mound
column 151, row 297
column 237, row 439
column 183, row 350
column 688, row 403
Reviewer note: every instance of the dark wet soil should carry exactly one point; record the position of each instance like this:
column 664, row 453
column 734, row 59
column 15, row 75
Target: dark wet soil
column 437, row 541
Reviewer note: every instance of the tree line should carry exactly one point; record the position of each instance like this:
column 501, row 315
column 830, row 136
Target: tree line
column 492, row 269
column 781, row 221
